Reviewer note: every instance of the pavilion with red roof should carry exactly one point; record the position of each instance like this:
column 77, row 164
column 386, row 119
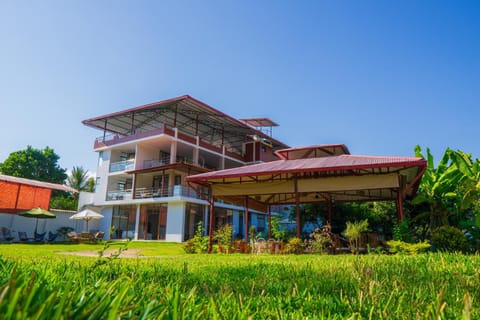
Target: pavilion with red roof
column 315, row 174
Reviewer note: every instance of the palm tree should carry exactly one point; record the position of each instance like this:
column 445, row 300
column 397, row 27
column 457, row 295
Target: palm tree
column 79, row 180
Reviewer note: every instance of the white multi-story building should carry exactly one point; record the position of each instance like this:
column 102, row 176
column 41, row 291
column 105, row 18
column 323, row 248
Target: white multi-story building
column 145, row 153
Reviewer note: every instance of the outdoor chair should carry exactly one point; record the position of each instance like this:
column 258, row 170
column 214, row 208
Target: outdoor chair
column 22, row 236
column 99, row 236
column 51, row 236
column 73, row 236
column 260, row 245
column 85, row 237
column 7, row 234
column 39, row 237
column 339, row 244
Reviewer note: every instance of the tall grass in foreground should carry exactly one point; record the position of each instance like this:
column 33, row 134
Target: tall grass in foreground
column 431, row 286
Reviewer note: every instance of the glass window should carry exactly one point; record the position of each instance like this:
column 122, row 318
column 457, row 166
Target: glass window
column 153, row 222
column 123, row 222
column 193, row 215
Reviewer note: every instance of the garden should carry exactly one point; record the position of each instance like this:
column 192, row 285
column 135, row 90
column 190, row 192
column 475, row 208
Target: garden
column 429, row 270
column 37, row 282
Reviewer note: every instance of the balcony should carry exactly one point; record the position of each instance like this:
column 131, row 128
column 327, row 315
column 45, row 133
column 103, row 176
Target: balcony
column 119, row 195
column 176, row 191
column 122, row 165
column 150, row 193
column 113, row 139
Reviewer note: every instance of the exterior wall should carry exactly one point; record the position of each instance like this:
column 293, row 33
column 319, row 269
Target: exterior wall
column 102, row 175
column 105, row 223
column 143, row 153
column 175, row 224
column 175, row 221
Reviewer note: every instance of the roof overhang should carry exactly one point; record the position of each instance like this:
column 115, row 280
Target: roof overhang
column 190, row 116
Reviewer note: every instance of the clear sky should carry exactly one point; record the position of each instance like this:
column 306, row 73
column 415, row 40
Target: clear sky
column 379, row 76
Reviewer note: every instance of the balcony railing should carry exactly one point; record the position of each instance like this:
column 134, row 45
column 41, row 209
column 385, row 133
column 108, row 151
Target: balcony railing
column 122, row 165
column 146, row 193
column 119, row 195
column 179, row 190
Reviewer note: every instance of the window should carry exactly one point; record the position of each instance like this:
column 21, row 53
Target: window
column 260, row 223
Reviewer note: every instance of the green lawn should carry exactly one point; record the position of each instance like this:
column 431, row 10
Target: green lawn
column 41, row 250
column 38, row 283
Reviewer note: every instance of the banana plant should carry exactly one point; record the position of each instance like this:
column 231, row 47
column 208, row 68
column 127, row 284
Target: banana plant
column 470, row 185
column 438, row 190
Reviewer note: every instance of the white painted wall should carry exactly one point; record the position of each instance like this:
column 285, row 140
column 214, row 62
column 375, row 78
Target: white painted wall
column 102, row 173
column 105, row 223
column 175, row 221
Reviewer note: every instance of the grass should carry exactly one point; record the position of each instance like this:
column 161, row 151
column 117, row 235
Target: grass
column 20, row 250
column 179, row 286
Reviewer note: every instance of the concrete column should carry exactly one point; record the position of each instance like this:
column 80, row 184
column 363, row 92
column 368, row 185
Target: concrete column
column 221, row 164
column 173, row 147
column 137, row 222
column 175, row 221
column 196, row 151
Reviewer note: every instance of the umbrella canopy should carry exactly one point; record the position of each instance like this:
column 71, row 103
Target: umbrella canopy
column 38, row 213
column 87, row 215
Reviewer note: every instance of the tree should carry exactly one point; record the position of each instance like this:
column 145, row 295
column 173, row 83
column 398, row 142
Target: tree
column 438, row 190
column 34, row 164
column 79, row 180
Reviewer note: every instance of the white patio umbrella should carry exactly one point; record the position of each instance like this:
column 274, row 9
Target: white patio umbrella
column 87, row 215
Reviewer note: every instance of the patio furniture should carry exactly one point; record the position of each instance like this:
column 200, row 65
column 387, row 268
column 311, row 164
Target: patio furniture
column 261, row 245
column 22, row 236
column 339, row 244
column 7, row 234
column 39, row 237
column 51, row 236
column 99, row 236
column 73, row 236
column 85, row 237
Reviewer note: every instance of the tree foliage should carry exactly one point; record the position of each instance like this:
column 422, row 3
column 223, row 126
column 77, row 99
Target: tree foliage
column 448, row 194
column 79, row 180
column 34, row 164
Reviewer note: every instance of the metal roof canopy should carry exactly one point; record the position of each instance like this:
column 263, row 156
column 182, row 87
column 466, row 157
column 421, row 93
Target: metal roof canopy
column 327, row 179
column 189, row 116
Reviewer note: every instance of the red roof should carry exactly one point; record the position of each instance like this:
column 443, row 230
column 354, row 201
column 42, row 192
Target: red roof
column 35, row 183
column 317, row 151
column 332, row 163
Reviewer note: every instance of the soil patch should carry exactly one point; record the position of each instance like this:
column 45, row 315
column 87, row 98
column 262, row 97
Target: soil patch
column 130, row 253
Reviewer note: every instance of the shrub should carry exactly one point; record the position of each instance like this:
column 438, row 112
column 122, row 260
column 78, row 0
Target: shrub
column 397, row 246
column 354, row 231
column 223, row 236
column 199, row 243
column 402, row 232
column 295, row 245
column 320, row 240
column 451, row 239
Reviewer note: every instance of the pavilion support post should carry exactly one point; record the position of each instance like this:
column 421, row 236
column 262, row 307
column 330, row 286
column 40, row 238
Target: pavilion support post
column 297, row 208
column 246, row 219
column 269, row 216
column 211, row 222
column 399, row 205
column 330, row 211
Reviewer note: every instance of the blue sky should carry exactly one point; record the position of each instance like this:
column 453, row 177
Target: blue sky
column 379, row 76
